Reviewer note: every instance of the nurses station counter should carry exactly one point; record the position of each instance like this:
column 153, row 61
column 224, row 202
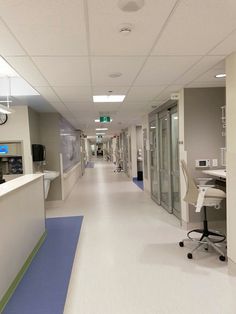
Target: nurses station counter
column 22, row 229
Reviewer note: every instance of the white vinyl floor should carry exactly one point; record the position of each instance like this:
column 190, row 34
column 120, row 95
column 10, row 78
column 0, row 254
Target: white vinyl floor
column 128, row 260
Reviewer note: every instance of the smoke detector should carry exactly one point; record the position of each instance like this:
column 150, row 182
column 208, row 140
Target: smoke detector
column 130, row 5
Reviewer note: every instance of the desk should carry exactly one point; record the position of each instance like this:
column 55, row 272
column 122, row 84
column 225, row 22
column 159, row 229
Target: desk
column 219, row 173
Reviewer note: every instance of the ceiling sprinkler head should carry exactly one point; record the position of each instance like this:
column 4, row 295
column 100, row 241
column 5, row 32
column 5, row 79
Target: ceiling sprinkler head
column 125, row 29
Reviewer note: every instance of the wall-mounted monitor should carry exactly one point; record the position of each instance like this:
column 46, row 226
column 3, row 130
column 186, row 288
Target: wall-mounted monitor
column 4, row 149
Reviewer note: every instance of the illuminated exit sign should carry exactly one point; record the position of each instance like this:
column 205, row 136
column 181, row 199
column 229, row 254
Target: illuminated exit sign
column 105, row 119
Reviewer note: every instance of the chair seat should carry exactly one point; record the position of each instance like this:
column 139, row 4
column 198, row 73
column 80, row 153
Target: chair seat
column 215, row 193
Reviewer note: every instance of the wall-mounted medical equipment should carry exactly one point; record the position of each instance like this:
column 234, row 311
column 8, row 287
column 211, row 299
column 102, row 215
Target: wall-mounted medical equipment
column 202, row 163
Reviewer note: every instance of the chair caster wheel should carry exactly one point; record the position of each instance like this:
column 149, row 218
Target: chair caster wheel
column 181, row 243
column 189, row 255
column 222, row 258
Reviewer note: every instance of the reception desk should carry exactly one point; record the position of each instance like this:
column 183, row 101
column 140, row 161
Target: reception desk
column 22, row 229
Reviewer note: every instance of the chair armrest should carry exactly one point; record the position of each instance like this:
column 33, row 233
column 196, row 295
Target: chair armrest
column 201, row 196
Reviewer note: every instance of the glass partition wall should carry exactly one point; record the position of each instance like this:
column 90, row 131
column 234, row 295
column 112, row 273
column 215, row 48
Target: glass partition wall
column 164, row 159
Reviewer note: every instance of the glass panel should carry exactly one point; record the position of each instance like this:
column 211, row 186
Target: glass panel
column 145, row 153
column 175, row 162
column 153, row 161
column 164, row 162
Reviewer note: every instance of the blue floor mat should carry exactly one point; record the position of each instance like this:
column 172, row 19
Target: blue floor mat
column 139, row 183
column 44, row 287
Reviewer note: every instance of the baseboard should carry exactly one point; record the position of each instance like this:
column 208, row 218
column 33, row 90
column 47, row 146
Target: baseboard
column 20, row 275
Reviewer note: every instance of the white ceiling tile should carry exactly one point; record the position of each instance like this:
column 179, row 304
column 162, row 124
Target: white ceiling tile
column 59, row 106
column 48, row 93
column 196, row 27
column 64, row 71
column 8, row 44
column 201, row 67
column 164, row 70
column 105, row 17
column 144, row 93
column 44, row 27
column 74, row 93
column 102, row 67
column 83, row 106
column 106, row 90
column 226, row 47
column 209, row 76
column 26, row 68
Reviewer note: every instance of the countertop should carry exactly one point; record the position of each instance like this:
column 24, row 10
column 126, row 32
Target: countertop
column 17, row 183
column 220, row 173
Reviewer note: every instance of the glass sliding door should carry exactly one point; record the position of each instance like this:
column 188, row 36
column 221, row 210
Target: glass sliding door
column 165, row 183
column 154, row 174
column 175, row 185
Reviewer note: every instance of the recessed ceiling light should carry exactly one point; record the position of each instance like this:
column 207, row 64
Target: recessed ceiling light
column 101, row 129
column 130, row 5
column 115, row 74
column 109, row 98
column 100, row 133
column 221, row 75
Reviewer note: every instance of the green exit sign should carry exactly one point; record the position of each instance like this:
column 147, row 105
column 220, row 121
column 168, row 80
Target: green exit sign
column 105, row 119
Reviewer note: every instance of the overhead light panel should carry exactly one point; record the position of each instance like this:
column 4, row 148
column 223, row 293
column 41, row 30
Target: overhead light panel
column 221, row 75
column 100, row 133
column 108, row 98
column 6, row 69
column 101, row 129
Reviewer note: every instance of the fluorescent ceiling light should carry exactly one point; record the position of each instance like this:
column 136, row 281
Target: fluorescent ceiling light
column 153, row 127
column 100, row 133
column 6, row 69
column 5, row 110
column 108, row 98
column 101, row 129
column 221, row 75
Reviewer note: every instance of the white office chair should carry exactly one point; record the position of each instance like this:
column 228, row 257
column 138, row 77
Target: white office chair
column 203, row 196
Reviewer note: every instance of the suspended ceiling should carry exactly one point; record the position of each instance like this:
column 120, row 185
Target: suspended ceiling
column 67, row 49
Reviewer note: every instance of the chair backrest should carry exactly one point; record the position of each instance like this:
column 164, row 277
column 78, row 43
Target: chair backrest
column 191, row 195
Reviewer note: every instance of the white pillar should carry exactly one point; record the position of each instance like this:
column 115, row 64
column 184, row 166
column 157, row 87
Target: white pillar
column 231, row 154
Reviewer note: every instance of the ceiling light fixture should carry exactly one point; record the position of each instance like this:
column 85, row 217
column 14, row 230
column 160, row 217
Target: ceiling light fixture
column 221, row 75
column 100, row 133
column 130, row 5
column 101, row 129
column 108, row 98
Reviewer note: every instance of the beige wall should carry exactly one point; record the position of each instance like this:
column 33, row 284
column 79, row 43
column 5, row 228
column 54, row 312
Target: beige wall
column 202, row 133
column 231, row 154
column 50, row 137
column 17, row 129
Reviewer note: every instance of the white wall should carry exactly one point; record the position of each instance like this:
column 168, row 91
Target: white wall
column 17, row 129
column 231, row 154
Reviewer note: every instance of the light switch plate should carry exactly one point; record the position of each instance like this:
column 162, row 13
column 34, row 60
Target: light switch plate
column 214, row 162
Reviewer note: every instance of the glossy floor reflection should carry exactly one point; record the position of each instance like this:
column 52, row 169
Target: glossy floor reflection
column 129, row 261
